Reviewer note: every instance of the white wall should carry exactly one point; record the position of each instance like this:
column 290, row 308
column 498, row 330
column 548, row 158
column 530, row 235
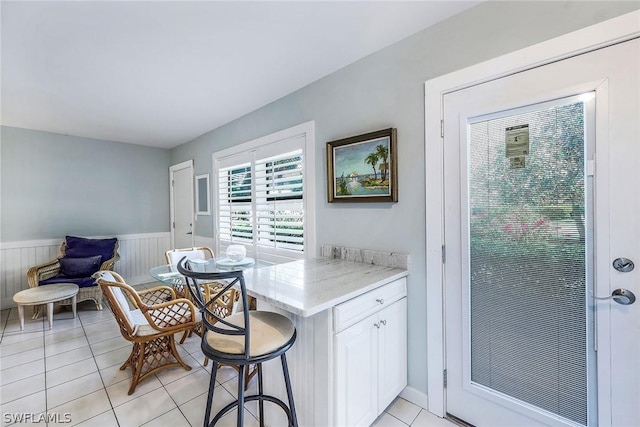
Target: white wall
column 54, row 185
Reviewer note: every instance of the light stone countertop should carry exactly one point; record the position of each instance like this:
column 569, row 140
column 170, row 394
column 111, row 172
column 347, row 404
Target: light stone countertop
column 307, row 287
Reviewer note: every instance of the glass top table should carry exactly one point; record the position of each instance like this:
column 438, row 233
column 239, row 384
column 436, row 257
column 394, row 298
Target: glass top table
column 170, row 275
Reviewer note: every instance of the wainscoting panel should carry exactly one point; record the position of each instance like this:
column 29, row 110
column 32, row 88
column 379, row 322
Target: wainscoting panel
column 138, row 253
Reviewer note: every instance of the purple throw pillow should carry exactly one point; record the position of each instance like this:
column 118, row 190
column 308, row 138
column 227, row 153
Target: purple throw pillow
column 80, row 247
column 80, row 267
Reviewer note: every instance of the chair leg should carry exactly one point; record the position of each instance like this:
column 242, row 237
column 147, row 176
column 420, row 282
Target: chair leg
column 287, row 382
column 36, row 312
column 136, row 361
column 184, row 336
column 174, row 352
column 248, row 374
column 142, row 359
column 212, row 386
column 241, row 395
column 260, row 392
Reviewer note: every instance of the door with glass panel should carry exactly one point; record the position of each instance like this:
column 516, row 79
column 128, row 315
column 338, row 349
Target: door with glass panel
column 536, row 225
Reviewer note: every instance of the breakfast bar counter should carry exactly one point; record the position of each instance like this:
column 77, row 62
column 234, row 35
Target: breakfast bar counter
column 307, row 287
column 349, row 359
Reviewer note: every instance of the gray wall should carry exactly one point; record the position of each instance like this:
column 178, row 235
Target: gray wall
column 386, row 90
column 53, row 185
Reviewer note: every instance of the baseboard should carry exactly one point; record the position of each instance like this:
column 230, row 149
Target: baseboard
column 414, row 396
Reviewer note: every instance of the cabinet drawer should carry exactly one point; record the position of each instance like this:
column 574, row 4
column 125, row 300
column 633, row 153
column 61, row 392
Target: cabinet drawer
column 356, row 309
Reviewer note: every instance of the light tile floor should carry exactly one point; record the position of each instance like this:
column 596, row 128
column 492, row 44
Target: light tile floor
column 71, row 373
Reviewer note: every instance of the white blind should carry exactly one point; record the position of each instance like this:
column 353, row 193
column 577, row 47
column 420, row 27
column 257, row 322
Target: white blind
column 261, row 201
column 235, row 211
column 279, row 201
column 528, row 261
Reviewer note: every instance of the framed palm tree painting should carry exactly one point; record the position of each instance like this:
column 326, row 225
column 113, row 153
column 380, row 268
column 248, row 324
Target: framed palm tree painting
column 363, row 168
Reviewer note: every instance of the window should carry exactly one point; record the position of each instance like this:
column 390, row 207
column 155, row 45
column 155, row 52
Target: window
column 202, row 195
column 279, row 201
column 263, row 196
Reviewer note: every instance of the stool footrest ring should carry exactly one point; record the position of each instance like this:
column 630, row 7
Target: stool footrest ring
column 250, row 398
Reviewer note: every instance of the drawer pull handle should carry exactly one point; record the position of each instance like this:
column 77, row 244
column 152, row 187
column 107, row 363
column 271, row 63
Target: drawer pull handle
column 384, row 322
column 377, row 325
column 380, row 300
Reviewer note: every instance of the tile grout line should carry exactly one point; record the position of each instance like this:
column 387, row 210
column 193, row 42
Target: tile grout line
column 44, row 362
column 104, row 386
column 44, row 347
column 163, row 386
column 92, row 358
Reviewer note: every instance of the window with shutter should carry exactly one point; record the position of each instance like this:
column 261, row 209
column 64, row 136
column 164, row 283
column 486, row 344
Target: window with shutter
column 235, row 211
column 279, row 201
column 262, row 196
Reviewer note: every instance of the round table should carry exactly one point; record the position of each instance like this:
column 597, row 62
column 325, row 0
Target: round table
column 169, row 273
column 46, row 294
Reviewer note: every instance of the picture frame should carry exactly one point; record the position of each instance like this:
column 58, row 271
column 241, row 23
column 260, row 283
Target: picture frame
column 363, row 168
column 203, row 205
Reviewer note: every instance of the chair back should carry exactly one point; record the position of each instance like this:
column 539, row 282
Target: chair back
column 212, row 318
column 115, row 291
column 175, row 255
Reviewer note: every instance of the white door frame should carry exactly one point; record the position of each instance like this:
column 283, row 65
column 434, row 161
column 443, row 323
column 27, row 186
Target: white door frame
column 624, row 27
column 188, row 164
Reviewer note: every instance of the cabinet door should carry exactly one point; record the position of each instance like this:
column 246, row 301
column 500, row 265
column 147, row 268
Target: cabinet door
column 356, row 374
column 392, row 350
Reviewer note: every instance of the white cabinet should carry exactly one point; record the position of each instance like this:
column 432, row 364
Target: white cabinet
column 356, row 374
column 392, row 351
column 370, row 353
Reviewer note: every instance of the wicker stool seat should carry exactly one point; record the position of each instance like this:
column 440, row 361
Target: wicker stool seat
column 45, row 295
column 250, row 337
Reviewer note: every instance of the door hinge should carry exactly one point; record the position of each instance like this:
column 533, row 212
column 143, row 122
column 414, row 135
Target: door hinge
column 174, row 224
column 591, row 167
column 444, row 378
column 441, row 128
column 444, row 254
column 173, row 183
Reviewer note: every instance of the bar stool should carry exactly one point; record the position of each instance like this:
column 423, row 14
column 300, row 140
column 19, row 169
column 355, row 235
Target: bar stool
column 250, row 337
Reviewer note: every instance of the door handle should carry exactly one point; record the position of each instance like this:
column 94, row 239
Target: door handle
column 189, row 232
column 621, row 296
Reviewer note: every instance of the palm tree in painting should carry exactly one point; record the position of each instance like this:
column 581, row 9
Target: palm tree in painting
column 382, row 152
column 372, row 159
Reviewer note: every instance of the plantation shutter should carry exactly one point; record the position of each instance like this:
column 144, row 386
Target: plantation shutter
column 279, row 207
column 235, row 210
column 261, row 198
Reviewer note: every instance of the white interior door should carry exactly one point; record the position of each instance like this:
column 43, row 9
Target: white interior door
column 536, row 165
column 182, row 205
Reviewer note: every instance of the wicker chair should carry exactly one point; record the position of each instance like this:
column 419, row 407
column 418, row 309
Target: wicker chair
column 175, row 255
column 149, row 319
column 52, row 270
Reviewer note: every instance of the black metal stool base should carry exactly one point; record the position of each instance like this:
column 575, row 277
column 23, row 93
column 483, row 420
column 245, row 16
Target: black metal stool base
column 258, row 397
column 289, row 410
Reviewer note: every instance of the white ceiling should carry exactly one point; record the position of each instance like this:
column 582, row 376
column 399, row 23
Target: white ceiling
column 162, row 73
